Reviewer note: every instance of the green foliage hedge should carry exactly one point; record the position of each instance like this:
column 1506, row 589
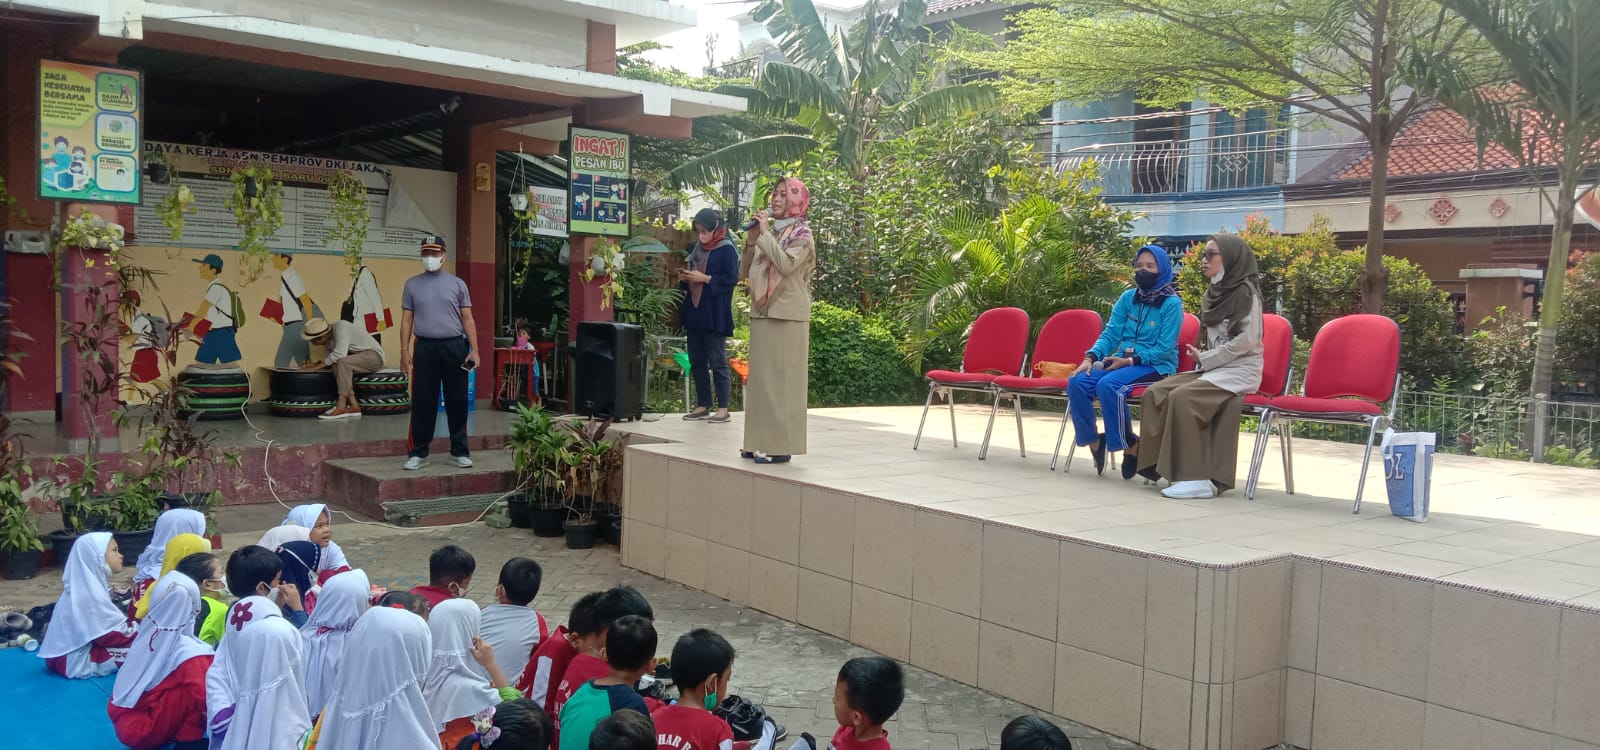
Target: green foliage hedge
column 856, row 360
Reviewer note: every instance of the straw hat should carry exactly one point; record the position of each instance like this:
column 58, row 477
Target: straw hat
column 315, row 328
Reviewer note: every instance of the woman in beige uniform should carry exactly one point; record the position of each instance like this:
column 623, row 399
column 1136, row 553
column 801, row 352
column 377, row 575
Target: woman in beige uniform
column 779, row 260
column 1190, row 421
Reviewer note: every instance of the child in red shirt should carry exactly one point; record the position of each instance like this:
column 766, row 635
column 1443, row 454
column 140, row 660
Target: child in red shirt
column 587, row 665
column 549, row 660
column 1033, row 733
column 450, row 570
column 702, row 665
column 868, row 693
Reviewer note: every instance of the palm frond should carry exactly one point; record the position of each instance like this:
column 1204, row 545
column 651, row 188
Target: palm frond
column 742, row 158
column 800, row 87
column 945, row 103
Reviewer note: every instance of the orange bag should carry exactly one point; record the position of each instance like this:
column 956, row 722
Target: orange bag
column 1054, row 370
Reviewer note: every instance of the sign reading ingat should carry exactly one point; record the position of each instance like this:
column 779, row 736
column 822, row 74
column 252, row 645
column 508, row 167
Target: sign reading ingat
column 600, row 170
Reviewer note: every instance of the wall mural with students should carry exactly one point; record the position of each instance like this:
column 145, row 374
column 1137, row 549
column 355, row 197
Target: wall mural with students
column 206, row 291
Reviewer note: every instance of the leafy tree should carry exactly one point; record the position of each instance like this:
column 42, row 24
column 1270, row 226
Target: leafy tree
column 850, row 90
column 1040, row 254
column 1337, row 59
column 1542, row 106
column 1578, row 357
column 1275, row 252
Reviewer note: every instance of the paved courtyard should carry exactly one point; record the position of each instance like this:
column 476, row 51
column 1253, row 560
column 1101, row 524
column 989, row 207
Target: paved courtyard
column 788, row 668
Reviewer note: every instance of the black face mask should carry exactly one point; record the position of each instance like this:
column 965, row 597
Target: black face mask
column 1145, row 279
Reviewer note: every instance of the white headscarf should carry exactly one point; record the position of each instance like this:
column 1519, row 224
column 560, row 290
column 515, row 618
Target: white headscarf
column 343, row 600
column 307, row 516
column 269, row 712
column 278, row 536
column 165, row 639
column 168, row 525
column 222, row 686
column 377, row 699
column 457, row 685
column 84, row 612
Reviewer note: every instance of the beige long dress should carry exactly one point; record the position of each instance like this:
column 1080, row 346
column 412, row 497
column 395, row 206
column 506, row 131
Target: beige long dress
column 1189, row 423
column 779, row 266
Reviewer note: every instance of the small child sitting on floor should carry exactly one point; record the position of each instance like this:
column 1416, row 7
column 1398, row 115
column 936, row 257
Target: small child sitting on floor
column 631, row 654
column 868, row 693
column 450, row 570
column 1033, row 733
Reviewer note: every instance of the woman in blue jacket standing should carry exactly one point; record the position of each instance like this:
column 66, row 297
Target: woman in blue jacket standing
column 706, row 311
column 1138, row 345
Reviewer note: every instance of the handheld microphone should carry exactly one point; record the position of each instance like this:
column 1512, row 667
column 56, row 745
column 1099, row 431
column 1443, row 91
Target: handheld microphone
column 749, row 225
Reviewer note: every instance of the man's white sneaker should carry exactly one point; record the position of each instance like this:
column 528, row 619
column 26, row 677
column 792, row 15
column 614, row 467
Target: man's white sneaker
column 413, row 463
column 461, row 462
column 1194, row 489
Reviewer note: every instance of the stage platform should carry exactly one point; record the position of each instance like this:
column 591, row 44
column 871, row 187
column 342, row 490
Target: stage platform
column 1221, row 623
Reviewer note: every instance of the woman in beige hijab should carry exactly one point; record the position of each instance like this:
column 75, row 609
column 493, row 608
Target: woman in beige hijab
column 779, row 259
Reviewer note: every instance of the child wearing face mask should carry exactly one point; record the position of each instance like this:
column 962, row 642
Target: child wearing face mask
column 702, row 665
column 258, row 571
column 450, row 570
column 206, row 571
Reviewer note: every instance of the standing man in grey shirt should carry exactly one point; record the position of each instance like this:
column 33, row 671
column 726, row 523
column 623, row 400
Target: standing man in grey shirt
column 438, row 346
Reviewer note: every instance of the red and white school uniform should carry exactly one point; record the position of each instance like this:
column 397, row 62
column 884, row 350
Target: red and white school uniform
column 160, row 694
column 88, row 636
column 684, row 728
column 548, row 662
column 845, row 739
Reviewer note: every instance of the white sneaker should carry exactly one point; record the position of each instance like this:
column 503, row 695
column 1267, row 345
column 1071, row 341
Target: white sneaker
column 1194, row 489
column 413, row 463
column 461, row 462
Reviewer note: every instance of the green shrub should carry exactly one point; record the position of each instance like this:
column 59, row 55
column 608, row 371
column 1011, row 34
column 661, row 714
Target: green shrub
column 856, row 360
column 1501, row 350
column 1275, row 252
column 1578, row 348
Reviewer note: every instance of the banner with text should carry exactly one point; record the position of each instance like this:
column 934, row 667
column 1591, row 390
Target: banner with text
column 307, row 208
column 550, row 205
column 600, row 169
column 89, row 132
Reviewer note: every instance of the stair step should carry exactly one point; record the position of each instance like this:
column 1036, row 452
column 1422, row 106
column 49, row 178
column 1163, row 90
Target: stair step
column 438, row 511
column 371, row 484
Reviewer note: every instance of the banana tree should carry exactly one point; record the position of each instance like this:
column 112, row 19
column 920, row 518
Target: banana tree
column 850, row 89
column 1543, row 107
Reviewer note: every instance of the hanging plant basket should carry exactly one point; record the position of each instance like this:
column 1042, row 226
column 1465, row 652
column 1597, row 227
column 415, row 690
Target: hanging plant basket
column 350, row 216
column 257, row 206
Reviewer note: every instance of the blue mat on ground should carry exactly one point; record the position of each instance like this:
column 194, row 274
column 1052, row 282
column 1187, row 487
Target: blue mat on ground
column 47, row 710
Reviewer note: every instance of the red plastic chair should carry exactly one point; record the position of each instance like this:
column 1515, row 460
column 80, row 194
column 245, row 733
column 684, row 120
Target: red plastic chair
column 1277, row 353
column 1064, row 338
column 1353, row 377
column 996, row 346
column 1187, row 336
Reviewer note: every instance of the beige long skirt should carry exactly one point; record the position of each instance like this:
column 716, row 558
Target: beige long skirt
column 775, row 397
column 1189, row 429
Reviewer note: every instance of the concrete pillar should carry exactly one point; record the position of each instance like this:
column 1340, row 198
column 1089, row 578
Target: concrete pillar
column 469, row 152
column 600, row 49
column 1491, row 286
column 583, row 297
column 90, row 295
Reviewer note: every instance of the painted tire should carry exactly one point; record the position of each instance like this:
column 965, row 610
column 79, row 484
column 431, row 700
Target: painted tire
column 320, row 384
column 232, row 403
column 381, row 383
column 201, row 377
column 381, row 405
column 300, row 406
column 201, row 390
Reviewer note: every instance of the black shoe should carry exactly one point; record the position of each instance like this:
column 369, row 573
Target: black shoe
column 1098, row 450
column 746, row 719
column 772, row 459
column 747, row 454
column 1130, row 462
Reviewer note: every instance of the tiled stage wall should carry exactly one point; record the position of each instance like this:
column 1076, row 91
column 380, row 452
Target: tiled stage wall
column 1171, row 653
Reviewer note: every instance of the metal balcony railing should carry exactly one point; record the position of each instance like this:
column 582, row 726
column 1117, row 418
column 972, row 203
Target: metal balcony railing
column 1219, row 162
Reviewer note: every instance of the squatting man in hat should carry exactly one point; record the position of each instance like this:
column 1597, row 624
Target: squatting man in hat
column 351, row 351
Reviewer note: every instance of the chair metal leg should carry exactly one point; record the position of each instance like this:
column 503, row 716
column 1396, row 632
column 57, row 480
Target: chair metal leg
column 1258, row 452
column 925, row 406
column 1285, row 435
column 994, row 408
column 950, row 398
column 1060, row 435
column 1366, row 459
column 1022, row 443
column 1071, row 448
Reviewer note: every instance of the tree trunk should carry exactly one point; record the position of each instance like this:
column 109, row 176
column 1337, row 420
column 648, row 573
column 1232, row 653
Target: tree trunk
column 1555, row 281
column 1374, row 277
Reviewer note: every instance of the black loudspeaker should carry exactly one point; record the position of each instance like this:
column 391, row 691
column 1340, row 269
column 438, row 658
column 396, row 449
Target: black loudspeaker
column 608, row 370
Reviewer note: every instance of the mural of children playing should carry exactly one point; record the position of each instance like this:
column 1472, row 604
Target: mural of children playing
column 291, row 309
column 214, row 321
column 147, row 334
column 365, row 307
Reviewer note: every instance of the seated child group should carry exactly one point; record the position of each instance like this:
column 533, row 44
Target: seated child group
column 286, row 646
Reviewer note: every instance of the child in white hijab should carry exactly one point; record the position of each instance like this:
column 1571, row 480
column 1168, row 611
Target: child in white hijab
column 344, row 599
column 377, row 697
column 159, row 698
column 269, row 710
column 318, row 522
column 88, row 636
column 463, row 678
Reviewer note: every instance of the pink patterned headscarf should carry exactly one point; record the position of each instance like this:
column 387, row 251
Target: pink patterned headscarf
column 798, row 198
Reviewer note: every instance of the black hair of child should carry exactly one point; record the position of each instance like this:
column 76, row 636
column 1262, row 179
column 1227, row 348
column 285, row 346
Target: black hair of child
column 584, row 620
column 198, row 567
column 1033, row 733
column 251, row 566
column 522, row 724
column 624, row 730
column 631, row 643
column 621, row 602
column 698, row 656
column 873, row 685
column 450, row 564
column 520, row 577
column 407, row 601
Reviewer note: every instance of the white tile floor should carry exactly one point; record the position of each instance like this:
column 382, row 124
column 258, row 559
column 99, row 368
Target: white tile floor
column 1517, row 527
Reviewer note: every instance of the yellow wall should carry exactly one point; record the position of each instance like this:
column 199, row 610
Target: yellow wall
column 327, row 280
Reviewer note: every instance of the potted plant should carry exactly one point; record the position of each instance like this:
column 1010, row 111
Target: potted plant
column 542, row 455
column 19, row 527
column 590, row 456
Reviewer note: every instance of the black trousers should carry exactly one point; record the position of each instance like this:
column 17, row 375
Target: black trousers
column 708, row 362
column 435, row 363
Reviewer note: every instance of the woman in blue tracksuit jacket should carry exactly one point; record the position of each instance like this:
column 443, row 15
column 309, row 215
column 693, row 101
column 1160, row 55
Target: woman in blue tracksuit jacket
column 1138, row 345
